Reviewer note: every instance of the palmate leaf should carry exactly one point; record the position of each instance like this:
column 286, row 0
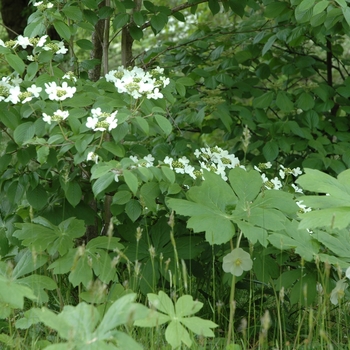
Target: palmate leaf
column 175, row 333
column 334, row 207
column 207, row 207
column 292, row 237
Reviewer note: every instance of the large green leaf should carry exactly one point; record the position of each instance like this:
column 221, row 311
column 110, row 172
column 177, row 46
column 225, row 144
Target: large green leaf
column 207, row 206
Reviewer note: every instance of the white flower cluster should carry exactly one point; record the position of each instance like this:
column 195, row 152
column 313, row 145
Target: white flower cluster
column 217, row 160
column 276, row 183
column 139, row 83
column 37, row 43
column 102, row 121
column 59, row 93
column 10, row 91
column 43, row 6
column 58, row 116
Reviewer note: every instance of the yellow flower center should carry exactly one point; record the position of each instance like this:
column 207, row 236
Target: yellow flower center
column 238, row 262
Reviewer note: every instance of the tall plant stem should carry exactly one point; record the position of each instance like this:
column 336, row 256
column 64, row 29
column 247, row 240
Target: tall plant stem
column 231, row 333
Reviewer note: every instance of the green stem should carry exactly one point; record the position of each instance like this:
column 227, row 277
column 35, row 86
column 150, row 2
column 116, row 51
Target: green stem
column 231, row 332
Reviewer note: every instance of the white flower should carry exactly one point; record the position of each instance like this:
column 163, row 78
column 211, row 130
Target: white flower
column 296, row 171
column 338, row 292
column 276, row 183
column 2, row 43
column 134, row 159
column 14, row 93
column 70, row 76
column 91, row 122
column 155, row 94
column 168, row 160
column 347, row 273
column 197, row 153
column 61, row 48
column 23, row 41
column 30, row 58
column 303, row 207
column 101, row 121
column 35, row 90
column 47, row 118
column 58, row 116
column 297, row 189
column 138, row 83
column 282, row 174
column 49, row 5
column 149, row 160
column 37, row 3
column 257, row 169
column 92, row 156
column 237, row 261
column 59, row 93
column 42, row 41
column 189, row 169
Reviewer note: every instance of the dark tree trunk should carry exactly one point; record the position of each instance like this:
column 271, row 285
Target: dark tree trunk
column 14, row 15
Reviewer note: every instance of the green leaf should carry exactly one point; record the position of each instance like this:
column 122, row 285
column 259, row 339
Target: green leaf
column 342, row 3
column 293, row 238
column 85, row 44
column 62, row 29
column 122, row 311
column 115, row 148
column 164, row 124
column 121, row 197
column 186, row 306
column 73, row 193
column 102, row 183
column 270, row 150
column 37, row 197
column 131, row 180
column 24, row 132
column 39, row 284
column 15, row 192
column 149, row 192
column 42, row 154
column 73, row 12
column 199, row 326
column 264, row 100
column 274, row 9
column 133, row 209
column 138, row 18
column 246, row 184
column 120, row 20
column 13, row 293
column 214, row 6
column 136, row 32
column 319, row 7
column 207, row 206
column 283, row 102
column 306, row 5
column 253, row 233
column 176, row 333
column 159, row 21
column 142, row 124
column 32, row 69
column 269, row 44
column 27, row 264
column 162, row 302
column 305, row 101
column 15, row 62
column 346, row 13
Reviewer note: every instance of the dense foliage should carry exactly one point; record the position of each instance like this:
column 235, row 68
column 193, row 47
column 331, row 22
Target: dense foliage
column 202, row 172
